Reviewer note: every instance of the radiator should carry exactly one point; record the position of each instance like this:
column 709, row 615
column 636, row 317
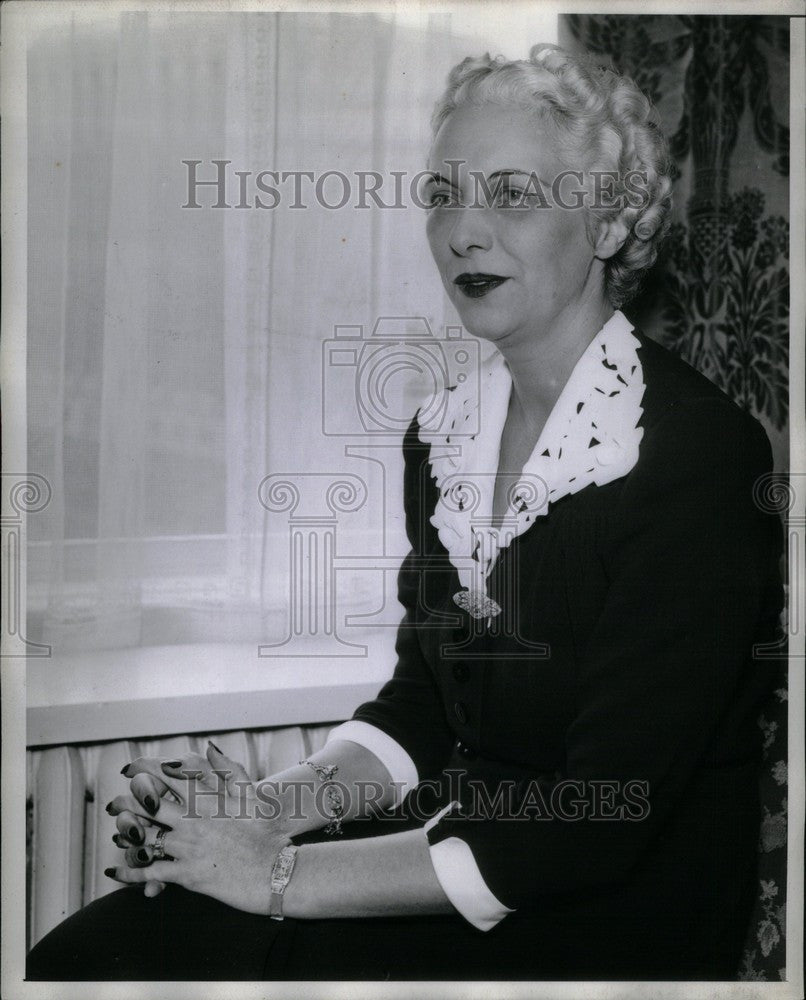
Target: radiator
column 70, row 836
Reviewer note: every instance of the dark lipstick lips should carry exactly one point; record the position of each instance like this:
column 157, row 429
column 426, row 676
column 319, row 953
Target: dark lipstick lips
column 478, row 284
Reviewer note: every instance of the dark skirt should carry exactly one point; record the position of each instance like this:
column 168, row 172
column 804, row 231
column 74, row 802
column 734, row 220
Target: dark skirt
column 683, row 916
column 181, row 935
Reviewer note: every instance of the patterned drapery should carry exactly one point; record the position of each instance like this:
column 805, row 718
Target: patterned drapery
column 719, row 293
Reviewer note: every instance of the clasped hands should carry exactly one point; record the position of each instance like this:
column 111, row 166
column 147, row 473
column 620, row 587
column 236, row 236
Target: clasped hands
column 213, row 832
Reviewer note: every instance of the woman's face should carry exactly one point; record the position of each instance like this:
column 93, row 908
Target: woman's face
column 510, row 267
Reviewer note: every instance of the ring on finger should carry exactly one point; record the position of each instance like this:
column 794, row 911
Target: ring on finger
column 159, row 852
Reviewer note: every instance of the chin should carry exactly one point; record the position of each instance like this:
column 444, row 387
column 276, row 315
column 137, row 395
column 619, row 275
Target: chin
column 482, row 319
column 488, row 327
column 491, row 334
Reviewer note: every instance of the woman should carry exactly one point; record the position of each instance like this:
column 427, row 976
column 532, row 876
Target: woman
column 563, row 769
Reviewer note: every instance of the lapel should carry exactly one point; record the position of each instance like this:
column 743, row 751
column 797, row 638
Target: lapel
column 591, row 437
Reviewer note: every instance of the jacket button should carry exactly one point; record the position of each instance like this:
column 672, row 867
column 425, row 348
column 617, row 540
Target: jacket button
column 465, row 750
column 461, row 672
column 460, row 711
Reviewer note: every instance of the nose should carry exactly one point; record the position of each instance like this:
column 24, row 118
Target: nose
column 470, row 230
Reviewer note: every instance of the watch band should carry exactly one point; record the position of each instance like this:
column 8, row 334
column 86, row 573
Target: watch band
column 280, row 877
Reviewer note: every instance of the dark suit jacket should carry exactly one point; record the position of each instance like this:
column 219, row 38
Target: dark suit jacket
column 633, row 613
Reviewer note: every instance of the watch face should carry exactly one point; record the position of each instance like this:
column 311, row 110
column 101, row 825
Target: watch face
column 283, row 867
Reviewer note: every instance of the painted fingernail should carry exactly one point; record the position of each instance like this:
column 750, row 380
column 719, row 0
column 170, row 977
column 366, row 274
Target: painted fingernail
column 116, row 840
column 172, row 763
column 109, row 809
column 210, row 742
column 151, row 804
column 110, row 872
column 124, row 770
column 134, row 835
column 142, row 856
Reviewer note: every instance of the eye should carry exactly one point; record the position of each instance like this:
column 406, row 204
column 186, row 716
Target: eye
column 511, row 196
column 441, row 199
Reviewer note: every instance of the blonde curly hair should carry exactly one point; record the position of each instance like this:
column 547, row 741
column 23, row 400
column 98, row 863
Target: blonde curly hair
column 605, row 120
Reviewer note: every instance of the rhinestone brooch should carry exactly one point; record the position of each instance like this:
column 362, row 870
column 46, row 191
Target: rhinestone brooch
column 476, row 604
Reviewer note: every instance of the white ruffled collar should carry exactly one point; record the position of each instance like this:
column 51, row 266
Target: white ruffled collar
column 591, row 436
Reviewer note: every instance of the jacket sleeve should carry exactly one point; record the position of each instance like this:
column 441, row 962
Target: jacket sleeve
column 692, row 562
column 411, row 733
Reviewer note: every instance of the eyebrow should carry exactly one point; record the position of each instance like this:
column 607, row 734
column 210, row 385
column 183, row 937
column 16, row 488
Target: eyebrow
column 437, row 178
column 508, row 171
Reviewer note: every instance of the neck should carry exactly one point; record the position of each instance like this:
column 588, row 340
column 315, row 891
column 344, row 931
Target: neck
column 541, row 363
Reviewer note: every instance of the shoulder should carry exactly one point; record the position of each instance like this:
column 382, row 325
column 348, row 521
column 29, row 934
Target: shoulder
column 671, row 382
column 688, row 415
column 413, row 445
column 420, row 492
column 695, row 490
column 416, row 458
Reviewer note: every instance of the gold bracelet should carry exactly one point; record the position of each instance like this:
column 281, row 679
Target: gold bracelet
column 335, row 800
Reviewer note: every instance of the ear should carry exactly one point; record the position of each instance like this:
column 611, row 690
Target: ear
column 610, row 238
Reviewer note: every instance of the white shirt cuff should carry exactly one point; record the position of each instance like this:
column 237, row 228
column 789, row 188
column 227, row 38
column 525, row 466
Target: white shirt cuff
column 389, row 752
column 461, row 880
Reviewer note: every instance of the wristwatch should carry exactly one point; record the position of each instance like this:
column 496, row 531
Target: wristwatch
column 280, row 877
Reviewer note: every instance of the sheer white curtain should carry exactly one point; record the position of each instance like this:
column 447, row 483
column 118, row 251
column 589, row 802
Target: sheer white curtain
column 175, row 355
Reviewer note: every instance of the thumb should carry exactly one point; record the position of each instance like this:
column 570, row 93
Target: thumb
column 234, row 774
